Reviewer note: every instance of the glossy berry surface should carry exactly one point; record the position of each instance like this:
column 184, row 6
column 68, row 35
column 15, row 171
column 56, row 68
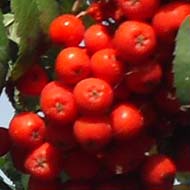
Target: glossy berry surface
column 93, row 95
column 27, row 129
column 134, row 41
column 97, row 37
column 44, row 162
column 158, row 172
column 139, row 9
column 72, row 65
column 106, row 60
column 58, row 103
column 93, row 133
column 66, row 30
column 127, row 121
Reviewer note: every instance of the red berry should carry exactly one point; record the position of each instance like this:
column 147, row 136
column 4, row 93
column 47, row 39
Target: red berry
column 127, row 122
column 57, row 102
column 37, row 184
column 93, row 95
column 80, row 165
column 144, row 79
column 27, row 129
column 67, row 30
column 93, row 133
column 5, row 142
column 104, row 65
column 72, row 65
column 138, row 9
column 134, row 41
column 96, row 37
column 33, row 81
column 174, row 12
column 158, row 171
column 44, row 162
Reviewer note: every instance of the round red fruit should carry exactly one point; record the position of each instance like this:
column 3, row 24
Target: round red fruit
column 96, row 37
column 93, row 95
column 66, row 30
column 104, row 65
column 27, row 129
column 127, row 122
column 44, row 162
column 174, row 12
column 5, row 142
column 138, row 9
column 32, row 81
column 158, row 171
column 134, row 41
column 72, row 65
column 57, row 102
column 93, row 133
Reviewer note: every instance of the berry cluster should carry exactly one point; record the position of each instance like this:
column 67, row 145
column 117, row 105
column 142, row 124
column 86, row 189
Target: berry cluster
column 110, row 103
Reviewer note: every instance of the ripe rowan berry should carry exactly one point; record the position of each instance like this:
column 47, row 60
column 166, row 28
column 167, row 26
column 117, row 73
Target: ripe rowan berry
column 27, row 130
column 44, row 162
column 97, row 37
column 93, row 133
column 158, row 171
column 5, row 141
column 138, row 9
column 93, row 95
column 134, row 41
column 32, row 81
column 58, row 103
column 72, row 65
column 104, row 65
column 127, row 121
column 66, row 30
column 174, row 12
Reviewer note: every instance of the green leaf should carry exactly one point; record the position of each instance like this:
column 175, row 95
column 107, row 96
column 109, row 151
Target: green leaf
column 66, row 5
column 28, row 31
column 32, row 19
column 27, row 17
column 4, row 53
column 182, row 63
column 48, row 10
